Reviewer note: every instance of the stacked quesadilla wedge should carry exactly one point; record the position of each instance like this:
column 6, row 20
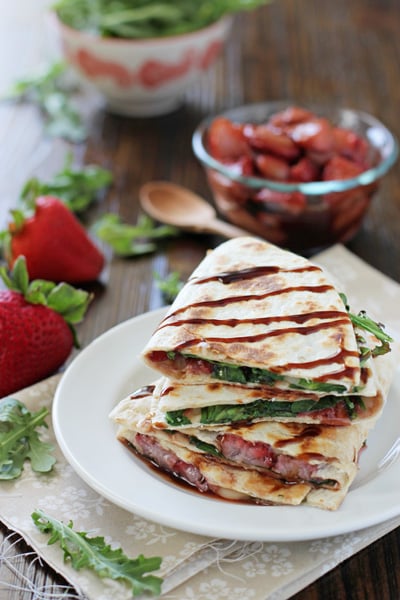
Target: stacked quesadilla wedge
column 268, row 384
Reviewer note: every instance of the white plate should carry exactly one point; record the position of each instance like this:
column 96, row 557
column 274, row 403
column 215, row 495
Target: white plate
column 110, row 368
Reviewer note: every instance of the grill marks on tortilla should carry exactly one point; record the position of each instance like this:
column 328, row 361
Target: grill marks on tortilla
column 252, row 273
column 315, row 289
column 327, row 319
column 274, row 333
column 300, row 318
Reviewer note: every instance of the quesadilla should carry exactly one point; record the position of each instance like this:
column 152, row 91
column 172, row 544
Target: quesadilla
column 258, row 315
column 269, row 386
column 267, row 463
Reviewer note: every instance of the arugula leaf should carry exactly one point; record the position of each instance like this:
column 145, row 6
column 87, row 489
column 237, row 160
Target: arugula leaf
column 263, row 376
column 95, row 554
column 231, row 413
column 50, row 93
column 20, row 441
column 229, row 373
column 204, row 446
column 318, row 386
column 177, row 418
column 170, row 286
column 131, row 240
column 363, row 321
column 238, row 374
column 234, row 413
column 77, row 188
column 146, row 18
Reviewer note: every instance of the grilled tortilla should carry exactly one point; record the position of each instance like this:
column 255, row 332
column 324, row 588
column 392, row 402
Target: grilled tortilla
column 255, row 314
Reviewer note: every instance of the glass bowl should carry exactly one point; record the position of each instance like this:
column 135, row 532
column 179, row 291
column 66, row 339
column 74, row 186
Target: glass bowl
column 302, row 178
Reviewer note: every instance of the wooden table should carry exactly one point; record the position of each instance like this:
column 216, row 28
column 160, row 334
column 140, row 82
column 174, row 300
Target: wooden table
column 340, row 52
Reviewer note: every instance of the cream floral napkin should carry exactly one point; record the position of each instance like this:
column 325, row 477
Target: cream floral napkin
column 193, row 567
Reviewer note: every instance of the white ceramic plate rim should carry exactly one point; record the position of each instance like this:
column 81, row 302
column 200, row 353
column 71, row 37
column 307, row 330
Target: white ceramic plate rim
column 110, row 368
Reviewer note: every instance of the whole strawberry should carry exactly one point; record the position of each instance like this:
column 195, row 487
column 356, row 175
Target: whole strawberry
column 55, row 244
column 36, row 327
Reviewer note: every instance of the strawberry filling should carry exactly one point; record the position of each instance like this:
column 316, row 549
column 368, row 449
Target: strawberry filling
column 262, row 455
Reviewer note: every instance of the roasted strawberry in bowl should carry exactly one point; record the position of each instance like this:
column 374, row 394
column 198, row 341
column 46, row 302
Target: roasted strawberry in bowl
column 301, row 177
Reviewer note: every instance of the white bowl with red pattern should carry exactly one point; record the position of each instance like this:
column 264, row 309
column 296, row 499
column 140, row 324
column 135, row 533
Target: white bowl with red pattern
column 301, row 177
column 145, row 77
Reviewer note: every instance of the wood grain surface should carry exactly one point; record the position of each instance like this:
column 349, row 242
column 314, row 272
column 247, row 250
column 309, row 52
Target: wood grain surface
column 344, row 53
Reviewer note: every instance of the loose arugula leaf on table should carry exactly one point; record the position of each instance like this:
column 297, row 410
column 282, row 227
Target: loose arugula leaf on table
column 19, row 439
column 95, row 554
column 49, row 91
column 169, row 286
column 131, row 240
column 76, row 187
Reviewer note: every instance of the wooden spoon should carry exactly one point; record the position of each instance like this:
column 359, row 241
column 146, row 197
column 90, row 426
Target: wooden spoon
column 175, row 205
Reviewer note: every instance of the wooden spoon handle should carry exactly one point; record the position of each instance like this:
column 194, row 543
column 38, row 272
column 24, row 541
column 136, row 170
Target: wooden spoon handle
column 226, row 229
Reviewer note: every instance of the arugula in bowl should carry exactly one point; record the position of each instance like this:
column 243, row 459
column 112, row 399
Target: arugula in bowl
column 146, row 18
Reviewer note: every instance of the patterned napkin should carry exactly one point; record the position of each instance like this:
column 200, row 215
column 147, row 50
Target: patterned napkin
column 193, row 567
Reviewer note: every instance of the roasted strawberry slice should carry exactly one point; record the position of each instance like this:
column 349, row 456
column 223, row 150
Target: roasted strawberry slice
column 290, row 116
column 226, row 141
column 352, row 146
column 339, row 167
column 266, row 138
column 292, row 203
column 272, row 167
column 305, row 170
column 315, row 137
